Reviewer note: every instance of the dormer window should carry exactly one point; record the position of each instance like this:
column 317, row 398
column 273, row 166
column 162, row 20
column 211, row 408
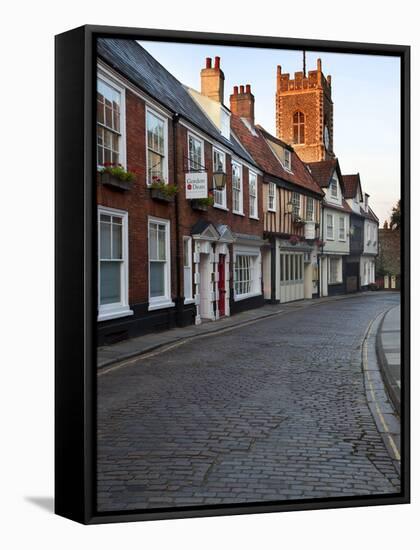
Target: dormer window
column 334, row 188
column 299, row 127
column 287, row 159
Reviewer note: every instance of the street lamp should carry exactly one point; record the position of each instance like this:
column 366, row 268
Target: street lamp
column 219, row 180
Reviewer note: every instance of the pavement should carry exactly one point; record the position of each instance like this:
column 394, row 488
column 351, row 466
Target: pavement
column 127, row 349
column 388, row 345
column 288, row 407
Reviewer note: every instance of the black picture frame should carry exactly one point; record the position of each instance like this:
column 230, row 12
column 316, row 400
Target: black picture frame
column 75, row 271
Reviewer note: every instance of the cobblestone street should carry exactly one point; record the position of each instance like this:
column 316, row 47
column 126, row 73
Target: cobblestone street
column 271, row 411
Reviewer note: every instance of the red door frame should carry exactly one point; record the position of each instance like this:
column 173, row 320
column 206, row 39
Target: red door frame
column 221, row 285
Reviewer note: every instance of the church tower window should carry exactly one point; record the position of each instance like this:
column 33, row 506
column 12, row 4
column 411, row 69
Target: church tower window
column 299, row 127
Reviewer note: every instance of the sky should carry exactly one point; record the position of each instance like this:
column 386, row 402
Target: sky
column 365, row 92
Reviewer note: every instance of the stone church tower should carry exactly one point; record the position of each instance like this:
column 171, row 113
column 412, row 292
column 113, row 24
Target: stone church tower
column 304, row 113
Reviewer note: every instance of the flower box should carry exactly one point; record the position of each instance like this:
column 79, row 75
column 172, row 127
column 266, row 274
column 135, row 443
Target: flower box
column 106, row 178
column 160, row 195
column 197, row 205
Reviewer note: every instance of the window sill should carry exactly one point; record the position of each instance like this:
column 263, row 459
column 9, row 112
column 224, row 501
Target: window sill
column 220, row 207
column 160, row 305
column 271, row 210
column 189, row 301
column 253, row 218
column 238, row 213
column 123, row 311
column 238, row 298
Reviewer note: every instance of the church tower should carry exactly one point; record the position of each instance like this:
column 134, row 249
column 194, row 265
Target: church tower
column 304, row 113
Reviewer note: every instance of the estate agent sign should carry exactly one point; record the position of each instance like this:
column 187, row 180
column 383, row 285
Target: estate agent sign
column 196, row 185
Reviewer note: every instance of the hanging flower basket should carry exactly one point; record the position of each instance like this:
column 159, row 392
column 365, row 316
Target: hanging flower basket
column 293, row 240
column 319, row 243
column 114, row 175
column 298, row 221
column 202, row 204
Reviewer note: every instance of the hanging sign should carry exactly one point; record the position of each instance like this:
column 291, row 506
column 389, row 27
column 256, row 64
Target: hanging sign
column 196, row 185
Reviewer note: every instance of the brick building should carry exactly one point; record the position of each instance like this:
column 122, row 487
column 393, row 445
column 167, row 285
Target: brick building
column 164, row 260
column 291, row 203
column 305, row 119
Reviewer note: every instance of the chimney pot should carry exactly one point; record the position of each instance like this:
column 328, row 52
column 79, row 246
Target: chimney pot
column 319, row 64
column 217, row 62
column 242, row 104
column 208, row 62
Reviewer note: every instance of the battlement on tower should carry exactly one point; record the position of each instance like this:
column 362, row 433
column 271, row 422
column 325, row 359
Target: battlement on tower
column 314, row 79
column 304, row 113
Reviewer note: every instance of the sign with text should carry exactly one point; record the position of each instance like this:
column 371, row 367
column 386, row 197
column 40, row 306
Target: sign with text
column 196, row 185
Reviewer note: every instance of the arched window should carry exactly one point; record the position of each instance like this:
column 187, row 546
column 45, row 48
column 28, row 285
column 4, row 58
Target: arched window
column 299, row 127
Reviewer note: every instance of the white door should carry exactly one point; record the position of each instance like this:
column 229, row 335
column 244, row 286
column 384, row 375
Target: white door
column 291, row 276
column 206, row 309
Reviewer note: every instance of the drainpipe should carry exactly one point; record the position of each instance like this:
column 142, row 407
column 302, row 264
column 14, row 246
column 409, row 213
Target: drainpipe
column 179, row 262
column 321, row 269
column 273, row 269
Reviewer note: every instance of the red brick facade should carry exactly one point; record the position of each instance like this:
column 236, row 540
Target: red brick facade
column 310, row 95
column 139, row 205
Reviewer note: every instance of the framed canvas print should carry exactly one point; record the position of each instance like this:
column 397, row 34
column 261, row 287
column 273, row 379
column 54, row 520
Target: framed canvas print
column 232, row 274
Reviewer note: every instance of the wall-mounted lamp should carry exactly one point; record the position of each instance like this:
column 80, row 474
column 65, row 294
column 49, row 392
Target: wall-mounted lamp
column 219, row 180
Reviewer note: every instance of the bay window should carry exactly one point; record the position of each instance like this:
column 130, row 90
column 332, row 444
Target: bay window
column 112, row 264
column 243, row 275
column 237, row 198
column 253, row 198
column 156, row 131
column 247, row 272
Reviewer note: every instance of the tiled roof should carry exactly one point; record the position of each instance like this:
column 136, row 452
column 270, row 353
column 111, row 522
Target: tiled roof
column 323, row 170
column 256, row 143
column 144, row 71
column 351, row 184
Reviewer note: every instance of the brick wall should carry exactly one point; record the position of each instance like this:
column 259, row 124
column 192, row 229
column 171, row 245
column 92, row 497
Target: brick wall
column 312, row 96
column 138, row 202
column 139, row 205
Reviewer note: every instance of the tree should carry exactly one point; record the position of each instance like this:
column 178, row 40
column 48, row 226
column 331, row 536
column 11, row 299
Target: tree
column 395, row 220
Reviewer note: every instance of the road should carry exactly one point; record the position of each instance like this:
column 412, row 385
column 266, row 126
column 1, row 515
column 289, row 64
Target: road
column 276, row 410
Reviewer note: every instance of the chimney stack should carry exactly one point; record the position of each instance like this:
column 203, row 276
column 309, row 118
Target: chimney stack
column 242, row 103
column 213, row 80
